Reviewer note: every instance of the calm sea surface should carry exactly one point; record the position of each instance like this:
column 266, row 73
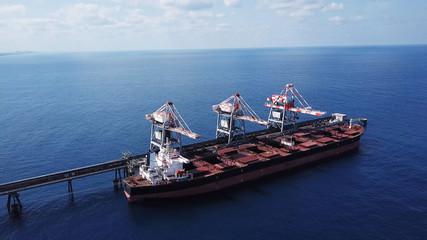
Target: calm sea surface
column 66, row 110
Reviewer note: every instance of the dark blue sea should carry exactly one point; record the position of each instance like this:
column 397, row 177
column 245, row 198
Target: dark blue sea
column 65, row 110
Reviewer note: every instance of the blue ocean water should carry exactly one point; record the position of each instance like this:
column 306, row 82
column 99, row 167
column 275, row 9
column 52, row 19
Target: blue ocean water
column 66, row 110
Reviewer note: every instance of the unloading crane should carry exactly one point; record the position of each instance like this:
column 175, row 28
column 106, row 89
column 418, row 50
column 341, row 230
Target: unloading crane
column 283, row 107
column 167, row 127
column 232, row 112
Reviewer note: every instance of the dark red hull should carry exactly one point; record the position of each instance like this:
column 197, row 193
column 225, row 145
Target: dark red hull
column 251, row 171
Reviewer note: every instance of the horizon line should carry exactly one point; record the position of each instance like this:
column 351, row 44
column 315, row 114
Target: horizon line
column 18, row 52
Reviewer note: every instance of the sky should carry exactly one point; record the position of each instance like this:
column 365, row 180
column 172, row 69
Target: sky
column 116, row 25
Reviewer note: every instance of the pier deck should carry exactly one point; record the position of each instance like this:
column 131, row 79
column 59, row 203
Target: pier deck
column 12, row 188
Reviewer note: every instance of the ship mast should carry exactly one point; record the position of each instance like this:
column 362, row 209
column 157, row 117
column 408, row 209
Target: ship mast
column 283, row 109
column 232, row 112
column 167, row 127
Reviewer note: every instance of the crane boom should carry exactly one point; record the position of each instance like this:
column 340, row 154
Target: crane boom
column 285, row 102
column 237, row 106
column 232, row 114
column 169, row 116
column 297, row 109
column 283, row 109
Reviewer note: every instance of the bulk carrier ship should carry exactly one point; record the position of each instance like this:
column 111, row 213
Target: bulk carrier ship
column 234, row 157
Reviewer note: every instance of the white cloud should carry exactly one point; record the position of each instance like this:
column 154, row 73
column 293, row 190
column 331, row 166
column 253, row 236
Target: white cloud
column 29, row 27
column 13, row 9
column 174, row 20
column 293, row 8
column 85, row 15
column 357, row 19
column 182, row 4
column 202, row 14
column 336, row 19
column 174, row 16
column 221, row 27
column 306, row 10
column 69, row 21
column 333, row 7
column 169, row 4
column 232, row 3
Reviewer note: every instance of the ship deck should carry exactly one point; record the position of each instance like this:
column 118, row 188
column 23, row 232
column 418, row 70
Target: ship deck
column 217, row 158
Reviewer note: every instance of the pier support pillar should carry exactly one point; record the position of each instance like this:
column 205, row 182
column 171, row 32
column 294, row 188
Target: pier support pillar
column 8, row 202
column 364, row 122
column 16, row 205
column 116, row 184
column 116, row 181
column 120, row 176
column 70, row 187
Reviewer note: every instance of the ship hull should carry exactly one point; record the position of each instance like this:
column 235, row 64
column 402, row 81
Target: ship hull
column 241, row 175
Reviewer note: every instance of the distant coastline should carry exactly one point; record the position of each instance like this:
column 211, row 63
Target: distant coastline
column 14, row 53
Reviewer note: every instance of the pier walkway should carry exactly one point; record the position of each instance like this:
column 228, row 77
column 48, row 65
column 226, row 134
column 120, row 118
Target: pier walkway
column 127, row 164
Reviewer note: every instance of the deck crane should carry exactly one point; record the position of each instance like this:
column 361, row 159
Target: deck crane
column 283, row 109
column 167, row 126
column 232, row 112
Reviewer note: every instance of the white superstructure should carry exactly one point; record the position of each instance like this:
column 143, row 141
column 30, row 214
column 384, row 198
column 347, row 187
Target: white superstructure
column 165, row 161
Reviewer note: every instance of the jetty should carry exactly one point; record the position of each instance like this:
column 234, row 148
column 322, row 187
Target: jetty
column 127, row 165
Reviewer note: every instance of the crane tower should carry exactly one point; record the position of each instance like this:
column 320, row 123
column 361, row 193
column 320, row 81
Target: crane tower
column 283, row 109
column 232, row 113
column 167, row 127
column 165, row 161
